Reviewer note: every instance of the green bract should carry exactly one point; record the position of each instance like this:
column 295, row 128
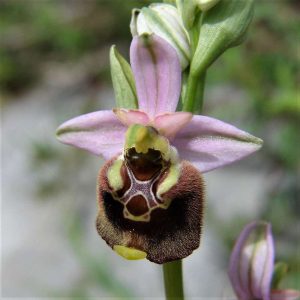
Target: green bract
column 123, row 81
column 223, row 27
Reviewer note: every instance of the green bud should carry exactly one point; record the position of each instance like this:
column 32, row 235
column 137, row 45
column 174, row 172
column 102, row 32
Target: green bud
column 223, row 27
column 123, row 80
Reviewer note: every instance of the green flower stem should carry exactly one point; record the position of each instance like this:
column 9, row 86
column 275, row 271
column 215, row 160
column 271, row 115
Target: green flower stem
column 193, row 98
column 194, row 89
column 173, row 280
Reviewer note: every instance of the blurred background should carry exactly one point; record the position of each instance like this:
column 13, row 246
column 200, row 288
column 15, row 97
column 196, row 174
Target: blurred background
column 54, row 65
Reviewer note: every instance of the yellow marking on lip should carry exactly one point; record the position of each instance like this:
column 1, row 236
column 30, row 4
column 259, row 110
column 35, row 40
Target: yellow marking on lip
column 114, row 177
column 129, row 253
column 171, row 180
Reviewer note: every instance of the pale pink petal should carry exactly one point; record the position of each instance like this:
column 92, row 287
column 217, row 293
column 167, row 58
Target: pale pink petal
column 209, row 143
column 252, row 261
column 131, row 116
column 285, row 294
column 170, row 123
column 157, row 74
column 100, row 133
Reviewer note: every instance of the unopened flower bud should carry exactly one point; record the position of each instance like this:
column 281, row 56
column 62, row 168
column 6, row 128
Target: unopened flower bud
column 164, row 20
column 252, row 262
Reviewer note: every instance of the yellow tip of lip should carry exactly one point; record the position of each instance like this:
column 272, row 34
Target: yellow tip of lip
column 129, row 253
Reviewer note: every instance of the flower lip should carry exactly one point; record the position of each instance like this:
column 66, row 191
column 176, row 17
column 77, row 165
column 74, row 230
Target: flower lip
column 162, row 241
column 129, row 253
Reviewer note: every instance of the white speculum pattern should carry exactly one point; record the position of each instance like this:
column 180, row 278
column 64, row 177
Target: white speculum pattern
column 142, row 195
column 145, row 189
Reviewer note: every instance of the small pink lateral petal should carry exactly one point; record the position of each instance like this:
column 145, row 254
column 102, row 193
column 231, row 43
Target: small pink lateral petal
column 100, row 133
column 157, row 74
column 131, row 116
column 209, row 143
column 285, row 294
column 170, row 123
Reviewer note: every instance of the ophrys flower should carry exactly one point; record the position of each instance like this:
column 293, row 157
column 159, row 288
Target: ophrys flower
column 151, row 190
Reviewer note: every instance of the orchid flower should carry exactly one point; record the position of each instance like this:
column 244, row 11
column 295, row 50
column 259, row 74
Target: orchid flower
column 150, row 190
column 251, row 265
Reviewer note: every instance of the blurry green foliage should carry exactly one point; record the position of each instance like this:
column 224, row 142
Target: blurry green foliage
column 36, row 32
column 43, row 152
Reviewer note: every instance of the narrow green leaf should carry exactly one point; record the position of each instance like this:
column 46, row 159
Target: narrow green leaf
column 224, row 26
column 123, row 81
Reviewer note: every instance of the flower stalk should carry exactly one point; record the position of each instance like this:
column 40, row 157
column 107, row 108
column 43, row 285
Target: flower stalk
column 193, row 97
column 173, row 280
